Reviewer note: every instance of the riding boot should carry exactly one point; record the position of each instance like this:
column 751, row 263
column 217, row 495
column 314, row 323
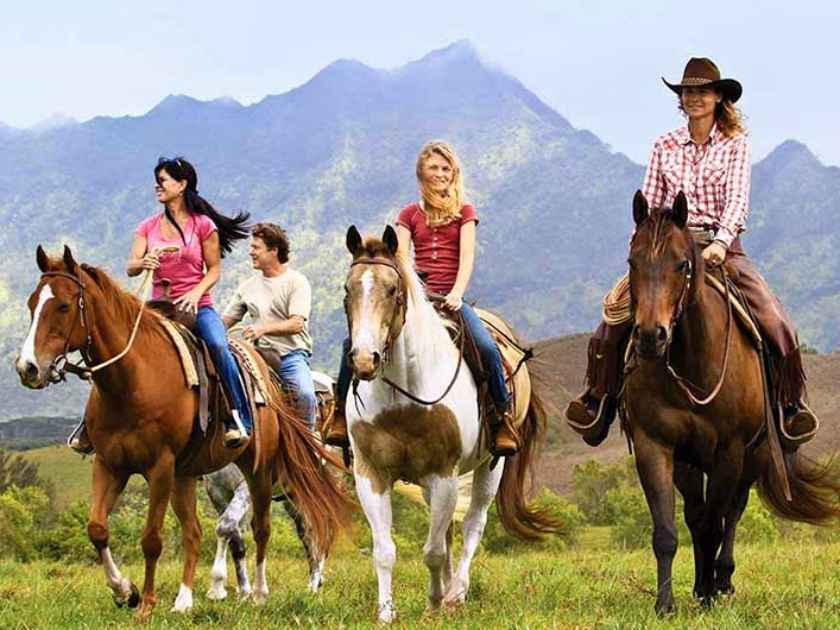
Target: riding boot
column 336, row 432
column 799, row 426
column 591, row 417
column 505, row 438
column 236, row 435
column 79, row 440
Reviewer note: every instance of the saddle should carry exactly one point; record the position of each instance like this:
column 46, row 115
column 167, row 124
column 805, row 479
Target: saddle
column 200, row 371
column 514, row 357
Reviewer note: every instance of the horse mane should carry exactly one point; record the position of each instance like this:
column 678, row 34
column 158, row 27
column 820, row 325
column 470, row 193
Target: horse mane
column 120, row 302
column 424, row 321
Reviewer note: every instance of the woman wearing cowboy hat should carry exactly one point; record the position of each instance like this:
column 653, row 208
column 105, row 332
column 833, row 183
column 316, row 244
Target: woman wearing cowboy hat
column 709, row 160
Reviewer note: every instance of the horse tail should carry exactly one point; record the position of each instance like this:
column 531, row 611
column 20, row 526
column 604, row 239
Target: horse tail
column 518, row 516
column 314, row 489
column 814, row 488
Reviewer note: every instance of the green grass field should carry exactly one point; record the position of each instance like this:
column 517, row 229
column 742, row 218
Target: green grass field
column 784, row 586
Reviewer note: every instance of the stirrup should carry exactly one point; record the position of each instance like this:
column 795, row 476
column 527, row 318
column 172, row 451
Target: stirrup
column 336, row 431
column 74, row 440
column 506, row 440
column 790, row 441
column 237, row 435
column 592, row 430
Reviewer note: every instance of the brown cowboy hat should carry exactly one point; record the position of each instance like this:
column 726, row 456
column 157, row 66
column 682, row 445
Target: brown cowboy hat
column 700, row 71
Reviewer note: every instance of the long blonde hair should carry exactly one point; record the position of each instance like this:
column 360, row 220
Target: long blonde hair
column 441, row 208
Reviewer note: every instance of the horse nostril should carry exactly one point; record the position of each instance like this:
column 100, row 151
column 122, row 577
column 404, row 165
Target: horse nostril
column 376, row 359
column 661, row 334
column 31, row 370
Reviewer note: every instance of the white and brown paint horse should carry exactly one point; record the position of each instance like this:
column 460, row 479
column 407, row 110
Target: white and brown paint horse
column 397, row 336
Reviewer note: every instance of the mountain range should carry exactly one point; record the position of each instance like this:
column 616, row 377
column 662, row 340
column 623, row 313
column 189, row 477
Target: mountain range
column 554, row 200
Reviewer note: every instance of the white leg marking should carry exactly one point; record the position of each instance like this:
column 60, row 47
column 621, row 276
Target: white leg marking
column 377, row 509
column 218, row 574
column 443, row 495
column 260, row 584
column 184, row 601
column 485, row 486
column 27, row 352
column 118, row 584
column 316, row 573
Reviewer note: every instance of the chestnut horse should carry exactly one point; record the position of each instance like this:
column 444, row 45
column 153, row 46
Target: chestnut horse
column 431, row 432
column 140, row 418
column 684, row 327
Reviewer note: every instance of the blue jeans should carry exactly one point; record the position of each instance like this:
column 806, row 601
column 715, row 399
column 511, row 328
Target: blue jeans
column 491, row 358
column 209, row 326
column 295, row 373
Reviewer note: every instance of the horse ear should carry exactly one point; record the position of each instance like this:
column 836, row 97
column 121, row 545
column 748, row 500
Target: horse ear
column 353, row 240
column 389, row 237
column 680, row 210
column 640, row 207
column 42, row 260
column 69, row 262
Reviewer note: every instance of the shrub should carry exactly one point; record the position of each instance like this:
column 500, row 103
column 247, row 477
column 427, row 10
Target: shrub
column 24, row 512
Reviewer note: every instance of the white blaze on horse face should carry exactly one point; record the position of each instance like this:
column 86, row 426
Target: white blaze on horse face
column 27, row 352
column 364, row 335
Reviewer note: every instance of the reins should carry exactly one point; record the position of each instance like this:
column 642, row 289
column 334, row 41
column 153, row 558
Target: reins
column 400, row 306
column 61, row 364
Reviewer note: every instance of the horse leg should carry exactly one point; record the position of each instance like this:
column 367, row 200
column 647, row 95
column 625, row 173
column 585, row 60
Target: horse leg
column 723, row 483
column 655, row 464
column 377, row 508
column 484, row 488
column 725, row 563
column 443, row 495
column 184, row 506
column 228, row 533
column 107, row 488
column 689, row 482
column 313, row 557
column 260, row 488
column 160, row 479
column 446, row 574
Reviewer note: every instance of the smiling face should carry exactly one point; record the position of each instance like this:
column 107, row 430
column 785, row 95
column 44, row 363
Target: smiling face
column 437, row 173
column 699, row 102
column 168, row 188
column 261, row 256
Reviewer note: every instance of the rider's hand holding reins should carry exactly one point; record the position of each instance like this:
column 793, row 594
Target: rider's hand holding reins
column 714, row 254
column 453, row 301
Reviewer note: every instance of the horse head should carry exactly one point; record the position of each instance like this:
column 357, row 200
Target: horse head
column 665, row 271
column 57, row 319
column 374, row 300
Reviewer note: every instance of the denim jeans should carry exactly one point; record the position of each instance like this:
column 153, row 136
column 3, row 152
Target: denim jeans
column 491, row 358
column 209, row 326
column 295, row 373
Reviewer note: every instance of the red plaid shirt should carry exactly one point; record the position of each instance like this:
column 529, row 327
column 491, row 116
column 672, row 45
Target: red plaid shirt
column 715, row 177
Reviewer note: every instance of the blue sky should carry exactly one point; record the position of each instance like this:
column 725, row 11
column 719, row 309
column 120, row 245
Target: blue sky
column 596, row 62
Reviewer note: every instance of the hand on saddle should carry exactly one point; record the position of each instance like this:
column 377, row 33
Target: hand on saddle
column 253, row 332
column 714, row 254
column 189, row 301
column 453, row 301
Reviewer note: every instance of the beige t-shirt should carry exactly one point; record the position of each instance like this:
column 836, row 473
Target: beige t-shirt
column 273, row 300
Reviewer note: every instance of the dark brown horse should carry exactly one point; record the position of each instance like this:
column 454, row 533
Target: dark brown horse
column 681, row 322
column 140, row 419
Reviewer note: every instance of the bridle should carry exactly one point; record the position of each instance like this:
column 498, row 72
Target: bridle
column 683, row 383
column 400, row 307
column 61, row 365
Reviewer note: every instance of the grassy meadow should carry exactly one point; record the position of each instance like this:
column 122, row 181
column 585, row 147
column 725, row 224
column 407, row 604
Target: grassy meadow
column 783, row 586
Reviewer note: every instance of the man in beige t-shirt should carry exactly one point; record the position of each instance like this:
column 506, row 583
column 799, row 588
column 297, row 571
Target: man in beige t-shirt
column 278, row 300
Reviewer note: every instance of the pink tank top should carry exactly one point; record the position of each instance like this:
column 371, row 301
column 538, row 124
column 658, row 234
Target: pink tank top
column 185, row 268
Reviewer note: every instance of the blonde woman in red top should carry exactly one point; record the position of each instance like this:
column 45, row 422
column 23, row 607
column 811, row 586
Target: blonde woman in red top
column 442, row 228
column 709, row 160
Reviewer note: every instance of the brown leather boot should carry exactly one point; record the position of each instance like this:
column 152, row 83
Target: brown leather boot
column 79, row 440
column 336, row 433
column 505, row 437
column 799, row 426
column 591, row 417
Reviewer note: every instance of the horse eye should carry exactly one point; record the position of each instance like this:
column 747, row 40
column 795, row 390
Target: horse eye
column 682, row 266
column 64, row 307
column 392, row 291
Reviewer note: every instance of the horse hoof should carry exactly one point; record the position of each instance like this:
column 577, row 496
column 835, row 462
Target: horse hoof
column 665, row 610
column 132, row 601
column 725, row 590
column 216, row 594
column 258, row 598
column 387, row 613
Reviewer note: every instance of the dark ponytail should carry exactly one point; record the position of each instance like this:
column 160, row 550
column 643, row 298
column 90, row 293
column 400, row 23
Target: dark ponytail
column 230, row 229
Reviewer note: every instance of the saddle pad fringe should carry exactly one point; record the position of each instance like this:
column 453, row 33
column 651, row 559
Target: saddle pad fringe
column 187, row 364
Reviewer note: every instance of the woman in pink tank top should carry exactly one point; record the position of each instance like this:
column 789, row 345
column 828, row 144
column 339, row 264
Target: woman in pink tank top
column 202, row 237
